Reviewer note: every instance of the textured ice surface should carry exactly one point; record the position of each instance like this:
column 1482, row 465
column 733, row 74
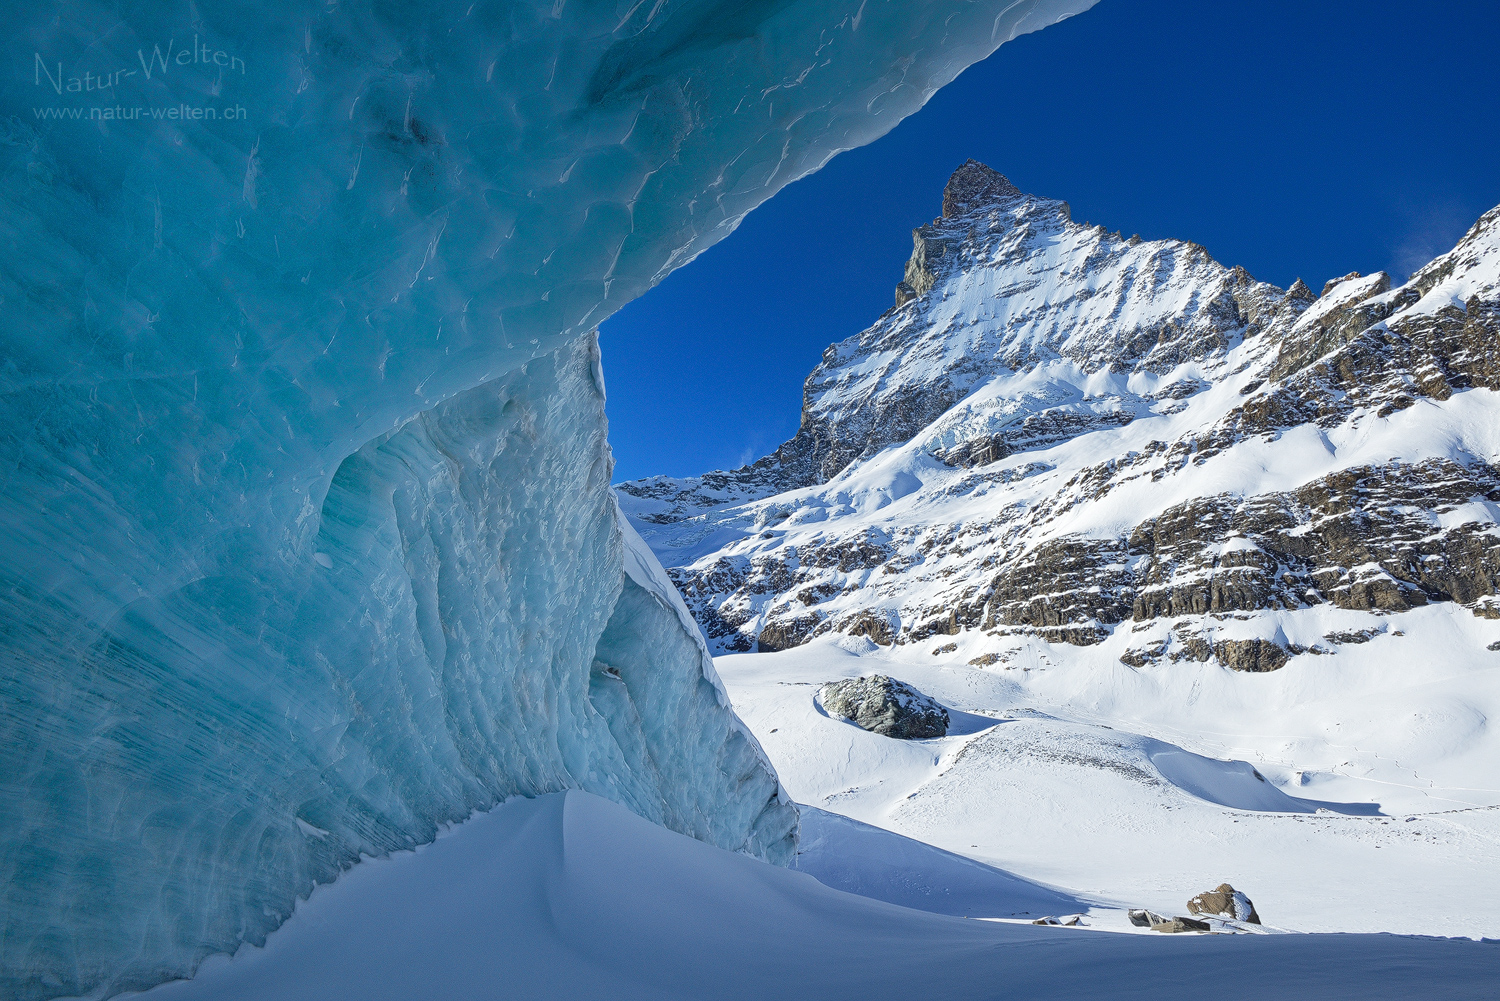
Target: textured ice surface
column 464, row 632
column 307, row 546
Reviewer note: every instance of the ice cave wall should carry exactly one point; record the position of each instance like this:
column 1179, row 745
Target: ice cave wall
column 307, row 546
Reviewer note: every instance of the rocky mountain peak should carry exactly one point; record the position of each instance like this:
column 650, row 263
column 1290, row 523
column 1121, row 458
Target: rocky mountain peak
column 1334, row 283
column 1062, row 436
column 973, row 185
column 1300, row 292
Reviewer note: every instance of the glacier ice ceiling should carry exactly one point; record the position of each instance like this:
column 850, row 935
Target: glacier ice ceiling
column 307, row 545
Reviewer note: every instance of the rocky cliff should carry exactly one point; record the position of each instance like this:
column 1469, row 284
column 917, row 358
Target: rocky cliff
column 1063, row 433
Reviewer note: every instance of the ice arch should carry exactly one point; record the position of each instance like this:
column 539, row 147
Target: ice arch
column 307, row 547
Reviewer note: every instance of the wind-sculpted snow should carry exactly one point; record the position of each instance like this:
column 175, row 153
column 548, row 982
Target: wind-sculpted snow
column 308, row 546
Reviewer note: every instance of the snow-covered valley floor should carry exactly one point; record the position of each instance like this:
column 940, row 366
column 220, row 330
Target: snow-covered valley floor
column 569, row 896
column 1062, row 789
column 1348, row 793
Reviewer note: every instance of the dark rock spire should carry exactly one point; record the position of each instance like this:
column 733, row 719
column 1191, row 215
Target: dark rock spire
column 973, row 185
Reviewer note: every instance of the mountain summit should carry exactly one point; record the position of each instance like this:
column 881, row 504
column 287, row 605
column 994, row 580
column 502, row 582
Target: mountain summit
column 1062, row 434
column 975, row 186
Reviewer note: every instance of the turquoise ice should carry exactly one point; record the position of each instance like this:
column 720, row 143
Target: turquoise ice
column 307, row 544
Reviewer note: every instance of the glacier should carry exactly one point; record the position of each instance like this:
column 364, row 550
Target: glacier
column 308, row 543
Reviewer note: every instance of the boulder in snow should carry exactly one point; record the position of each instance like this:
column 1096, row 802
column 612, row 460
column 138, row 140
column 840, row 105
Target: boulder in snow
column 1225, row 902
column 886, row 706
column 1143, row 918
column 1172, row 926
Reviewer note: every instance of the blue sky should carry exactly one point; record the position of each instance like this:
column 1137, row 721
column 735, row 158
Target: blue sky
column 1296, row 139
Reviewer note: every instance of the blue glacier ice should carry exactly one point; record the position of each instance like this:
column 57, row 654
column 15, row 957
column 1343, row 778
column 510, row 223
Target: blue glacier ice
column 306, row 542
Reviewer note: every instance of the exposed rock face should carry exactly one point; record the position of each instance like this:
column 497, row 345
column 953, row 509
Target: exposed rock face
column 1062, row 582
column 787, row 633
column 927, row 256
column 972, row 186
column 886, row 706
column 874, row 625
column 975, row 186
column 1063, row 435
column 1225, row 902
column 1360, row 539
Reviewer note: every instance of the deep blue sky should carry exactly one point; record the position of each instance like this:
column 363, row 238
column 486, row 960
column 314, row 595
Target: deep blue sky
column 1303, row 139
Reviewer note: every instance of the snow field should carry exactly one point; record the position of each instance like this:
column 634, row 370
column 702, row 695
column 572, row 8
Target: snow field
column 1347, row 792
column 569, row 896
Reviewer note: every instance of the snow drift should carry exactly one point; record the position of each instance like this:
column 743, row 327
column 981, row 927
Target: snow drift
column 308, row 546
column 588, row 914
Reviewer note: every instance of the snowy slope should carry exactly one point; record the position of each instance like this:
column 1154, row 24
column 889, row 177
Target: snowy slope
column 569, row 896
column 1353, row 799
column 1055, row 315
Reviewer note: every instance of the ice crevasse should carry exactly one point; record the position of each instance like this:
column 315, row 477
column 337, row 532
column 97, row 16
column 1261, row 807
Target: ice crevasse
column 306, row 542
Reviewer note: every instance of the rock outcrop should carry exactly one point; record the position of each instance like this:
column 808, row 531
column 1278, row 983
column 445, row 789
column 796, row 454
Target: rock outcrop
column 1142, row 918
column 1173, row 926
column 886, row 706
column 1225, row 902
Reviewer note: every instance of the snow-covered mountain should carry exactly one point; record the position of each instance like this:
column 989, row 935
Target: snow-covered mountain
column 1061, row 433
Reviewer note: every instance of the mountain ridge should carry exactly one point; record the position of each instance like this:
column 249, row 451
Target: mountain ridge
column 1060, row 432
